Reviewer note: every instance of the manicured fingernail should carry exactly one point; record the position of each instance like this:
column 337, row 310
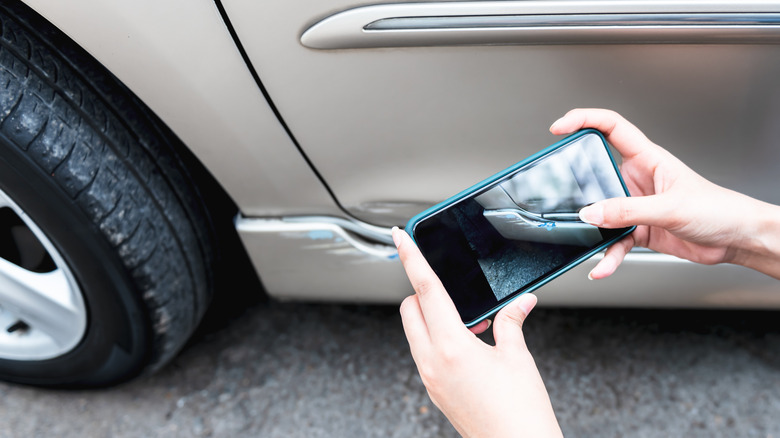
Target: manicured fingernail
column 555, row 123
column 489, row 323
column 593, row 214
column 396, row 236
column 590, row 276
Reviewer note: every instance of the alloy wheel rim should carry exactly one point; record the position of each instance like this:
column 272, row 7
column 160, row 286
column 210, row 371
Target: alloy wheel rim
column 42, row 310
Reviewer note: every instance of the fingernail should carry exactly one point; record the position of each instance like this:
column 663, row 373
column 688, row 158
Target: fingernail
column 555, row 123
column 593, row 214
column 396, row 236
column 590, row 276
column 489, row 323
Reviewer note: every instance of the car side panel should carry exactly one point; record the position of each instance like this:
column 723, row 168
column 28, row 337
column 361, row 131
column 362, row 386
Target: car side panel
column 393, row 130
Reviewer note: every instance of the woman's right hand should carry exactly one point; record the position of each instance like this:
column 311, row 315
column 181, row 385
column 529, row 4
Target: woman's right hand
column 677, row 211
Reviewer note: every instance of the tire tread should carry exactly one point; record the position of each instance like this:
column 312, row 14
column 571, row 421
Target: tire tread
column 111, row 156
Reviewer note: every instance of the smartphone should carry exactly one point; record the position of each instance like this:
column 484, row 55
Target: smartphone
column 519, row 229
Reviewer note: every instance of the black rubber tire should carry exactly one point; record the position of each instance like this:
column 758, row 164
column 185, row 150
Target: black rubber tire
column 100, row 175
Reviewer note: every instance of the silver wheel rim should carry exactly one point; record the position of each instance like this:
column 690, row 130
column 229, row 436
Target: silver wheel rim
column 42, row 311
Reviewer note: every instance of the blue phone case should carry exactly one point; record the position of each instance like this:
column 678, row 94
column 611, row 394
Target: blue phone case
column 410, row 226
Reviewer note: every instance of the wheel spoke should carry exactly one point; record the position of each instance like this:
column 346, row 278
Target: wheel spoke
column 42, row 312
column 42, row 301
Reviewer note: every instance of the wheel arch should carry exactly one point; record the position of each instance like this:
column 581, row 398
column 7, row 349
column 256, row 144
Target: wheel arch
column 179, row 59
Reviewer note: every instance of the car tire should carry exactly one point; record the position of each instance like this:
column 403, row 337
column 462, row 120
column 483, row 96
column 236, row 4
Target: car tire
column 95, row 192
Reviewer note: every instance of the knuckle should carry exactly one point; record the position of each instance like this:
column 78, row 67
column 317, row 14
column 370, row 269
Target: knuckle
column 429, row 375
column 619, row 213
column 613, row 115
column 449, row 355
column 625, row 213
column 512, row 316
column 424, row 286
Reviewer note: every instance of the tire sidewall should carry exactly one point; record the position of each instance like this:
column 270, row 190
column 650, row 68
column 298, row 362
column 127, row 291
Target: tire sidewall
column 117, row 339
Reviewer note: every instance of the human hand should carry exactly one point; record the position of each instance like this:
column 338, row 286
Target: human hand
column 484, row 391
column 677, row 211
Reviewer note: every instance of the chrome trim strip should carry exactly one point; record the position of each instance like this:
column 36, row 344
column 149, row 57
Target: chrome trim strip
column 321, row 260
column 378, row 241
column 367, row 231
column 547, row 22
column 366, row 238
column 572, row 20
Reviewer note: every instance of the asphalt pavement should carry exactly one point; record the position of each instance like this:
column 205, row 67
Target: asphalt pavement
column 309, row 370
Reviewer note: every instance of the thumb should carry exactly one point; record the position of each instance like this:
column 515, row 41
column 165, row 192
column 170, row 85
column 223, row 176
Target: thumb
column 625, row 212
column 508, row 324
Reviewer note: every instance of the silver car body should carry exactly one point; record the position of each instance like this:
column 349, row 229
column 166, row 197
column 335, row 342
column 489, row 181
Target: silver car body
column 368, row 113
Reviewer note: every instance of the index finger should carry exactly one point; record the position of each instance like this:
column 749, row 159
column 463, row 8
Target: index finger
column 621, row 133
column 437, row 307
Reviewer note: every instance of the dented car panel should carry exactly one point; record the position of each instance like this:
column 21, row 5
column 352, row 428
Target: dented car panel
column 369, row 134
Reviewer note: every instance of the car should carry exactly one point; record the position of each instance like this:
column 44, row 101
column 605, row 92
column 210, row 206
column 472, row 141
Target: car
column 137, row 138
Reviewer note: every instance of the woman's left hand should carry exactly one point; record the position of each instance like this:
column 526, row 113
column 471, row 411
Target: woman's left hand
column 485, row 391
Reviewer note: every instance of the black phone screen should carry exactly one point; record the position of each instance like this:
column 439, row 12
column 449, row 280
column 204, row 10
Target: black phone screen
column 517, row 232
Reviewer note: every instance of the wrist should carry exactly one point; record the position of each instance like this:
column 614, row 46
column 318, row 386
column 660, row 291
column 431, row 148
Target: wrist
column 759, row 247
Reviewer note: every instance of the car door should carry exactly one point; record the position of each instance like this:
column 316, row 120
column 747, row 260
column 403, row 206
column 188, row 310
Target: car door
column 399, row 105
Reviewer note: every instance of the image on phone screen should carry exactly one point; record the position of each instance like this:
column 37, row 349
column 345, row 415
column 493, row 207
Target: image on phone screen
column 517, row 231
